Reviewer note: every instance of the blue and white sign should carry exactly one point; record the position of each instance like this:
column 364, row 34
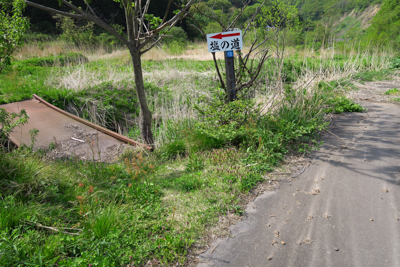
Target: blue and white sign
column 229, row 53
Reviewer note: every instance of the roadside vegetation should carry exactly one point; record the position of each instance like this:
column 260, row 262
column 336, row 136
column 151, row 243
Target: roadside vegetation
column 153, row 208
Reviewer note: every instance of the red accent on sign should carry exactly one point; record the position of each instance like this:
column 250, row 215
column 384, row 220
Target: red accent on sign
column 220, row 35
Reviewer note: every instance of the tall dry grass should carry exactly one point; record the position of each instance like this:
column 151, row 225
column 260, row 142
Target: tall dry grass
column 195, row 51
column 174, row 104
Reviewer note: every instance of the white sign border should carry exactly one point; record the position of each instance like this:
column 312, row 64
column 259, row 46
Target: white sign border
column 225, row 39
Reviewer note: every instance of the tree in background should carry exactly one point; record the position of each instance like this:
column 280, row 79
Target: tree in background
column 12, row 28
column 143, row 32
column 278, row 22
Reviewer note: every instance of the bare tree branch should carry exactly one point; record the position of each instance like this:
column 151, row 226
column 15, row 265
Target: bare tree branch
column 211, row 17
column 166, row 12
column 233, row 23
column 73, row 7
column 148, row 40
column 91, row 10
column 253, row 17
column 181, row 14
column 266, row 39
column 219, row 74
column 83, row 16
column 52, row 10
column 255, row 74
column 146, row 7
column 201, row 31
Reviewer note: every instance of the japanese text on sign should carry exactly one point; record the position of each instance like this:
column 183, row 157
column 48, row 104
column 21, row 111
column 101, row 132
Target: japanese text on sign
column 225, row 41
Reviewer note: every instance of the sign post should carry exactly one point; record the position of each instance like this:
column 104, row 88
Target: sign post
column 230, row 75
column 227, row 42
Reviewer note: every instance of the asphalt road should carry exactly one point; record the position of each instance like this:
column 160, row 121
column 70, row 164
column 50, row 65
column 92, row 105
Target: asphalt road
column 344, row 210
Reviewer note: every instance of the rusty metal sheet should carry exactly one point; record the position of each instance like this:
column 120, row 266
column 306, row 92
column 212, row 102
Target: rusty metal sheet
column 70, row 137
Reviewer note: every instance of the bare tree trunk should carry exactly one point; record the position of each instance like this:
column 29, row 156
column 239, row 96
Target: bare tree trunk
column 145, row 114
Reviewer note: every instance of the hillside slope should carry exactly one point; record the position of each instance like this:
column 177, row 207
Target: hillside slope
column 355, row 22
column 317, row 9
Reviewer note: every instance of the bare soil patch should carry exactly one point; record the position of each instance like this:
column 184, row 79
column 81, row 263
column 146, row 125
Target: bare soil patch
column 375, row 91
column 84, row 145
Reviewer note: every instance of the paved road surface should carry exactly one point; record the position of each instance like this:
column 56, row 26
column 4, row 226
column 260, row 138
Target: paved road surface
column 344, row 210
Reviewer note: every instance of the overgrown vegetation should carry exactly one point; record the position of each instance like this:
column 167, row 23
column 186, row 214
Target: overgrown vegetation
column 12, row 28
column 151, row 208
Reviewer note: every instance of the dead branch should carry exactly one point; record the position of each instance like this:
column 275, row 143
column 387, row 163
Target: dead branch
column 83, row 16
column 211, row 17
column 219, row 74
column 58, row 230
column 253, row 17
column 233, row 23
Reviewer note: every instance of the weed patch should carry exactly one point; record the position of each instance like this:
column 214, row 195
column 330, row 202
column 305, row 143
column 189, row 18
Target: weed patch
column 370, row 76
column 340, row 104
column 393, row 91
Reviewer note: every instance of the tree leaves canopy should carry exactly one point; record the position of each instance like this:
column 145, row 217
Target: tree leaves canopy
column 12, row 28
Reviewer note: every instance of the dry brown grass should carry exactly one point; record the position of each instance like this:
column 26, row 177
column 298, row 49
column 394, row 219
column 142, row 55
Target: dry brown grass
column 183, row 85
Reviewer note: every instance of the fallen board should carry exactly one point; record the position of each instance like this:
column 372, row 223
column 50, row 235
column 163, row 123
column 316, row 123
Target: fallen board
column 69, row 137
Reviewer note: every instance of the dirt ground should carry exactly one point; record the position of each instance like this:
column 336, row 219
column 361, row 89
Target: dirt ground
column 84, row 145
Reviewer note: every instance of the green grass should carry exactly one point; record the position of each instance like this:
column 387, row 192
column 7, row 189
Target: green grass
column 370, row 76
column 393, row 91
column 120, row 215
column 152, row 207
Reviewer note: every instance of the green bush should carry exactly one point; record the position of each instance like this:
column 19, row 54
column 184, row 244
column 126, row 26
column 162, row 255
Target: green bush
column 13, row 26
column 172, row 149
column 196, row 163
column 393, row 91
column 395, row 63
column 342, row 104
column 176, row 34
column 226, row 122
column 8, row 121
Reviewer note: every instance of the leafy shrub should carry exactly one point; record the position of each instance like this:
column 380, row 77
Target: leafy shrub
column 8, row 121
column 393, row 91
column 342, row 104
column 80, row 32
column 226, row 121
column 196, row 163
column 176, row 34
column 172, row 149
column 12, row 28
column 395, row 64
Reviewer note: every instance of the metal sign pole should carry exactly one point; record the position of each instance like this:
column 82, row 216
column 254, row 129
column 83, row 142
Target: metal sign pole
column 230, row 75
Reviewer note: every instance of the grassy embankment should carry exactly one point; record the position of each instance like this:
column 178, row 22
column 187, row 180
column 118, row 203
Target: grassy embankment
column 155, row 207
